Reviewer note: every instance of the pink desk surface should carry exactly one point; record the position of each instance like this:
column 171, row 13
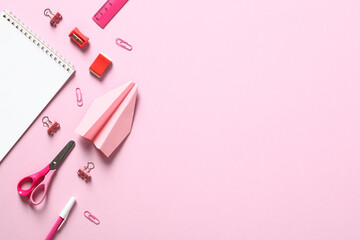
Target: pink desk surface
column 247, row 124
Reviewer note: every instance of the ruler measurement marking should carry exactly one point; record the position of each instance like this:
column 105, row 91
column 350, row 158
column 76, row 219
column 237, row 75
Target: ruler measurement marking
column 108, row 11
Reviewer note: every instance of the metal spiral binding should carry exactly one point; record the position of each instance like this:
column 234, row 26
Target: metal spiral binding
column 38, row 42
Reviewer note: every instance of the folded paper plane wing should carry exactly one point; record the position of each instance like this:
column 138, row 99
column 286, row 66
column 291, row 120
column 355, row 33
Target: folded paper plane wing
column 109, row 118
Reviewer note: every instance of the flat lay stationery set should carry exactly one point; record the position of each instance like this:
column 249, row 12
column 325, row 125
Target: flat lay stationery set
column 27, row 62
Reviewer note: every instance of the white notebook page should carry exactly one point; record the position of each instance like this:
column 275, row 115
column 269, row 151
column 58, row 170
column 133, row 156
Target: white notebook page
column 30, row 75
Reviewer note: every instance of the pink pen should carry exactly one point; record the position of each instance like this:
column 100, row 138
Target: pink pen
column 61, row 219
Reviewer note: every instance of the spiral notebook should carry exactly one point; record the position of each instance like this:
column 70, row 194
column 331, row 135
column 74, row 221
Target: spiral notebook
column 31, row 73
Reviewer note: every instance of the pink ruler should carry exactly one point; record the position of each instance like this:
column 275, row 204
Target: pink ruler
column 108, row 11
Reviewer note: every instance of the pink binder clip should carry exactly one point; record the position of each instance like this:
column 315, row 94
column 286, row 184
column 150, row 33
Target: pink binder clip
column 85, row 173
column 79, row 97
column 55, row 18
column 52, row 127
column 91, row 217
column 123, row 44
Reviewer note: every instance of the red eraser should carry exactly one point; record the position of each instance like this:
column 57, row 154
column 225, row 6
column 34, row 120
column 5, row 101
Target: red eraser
column 100, row 64
column 78, row 37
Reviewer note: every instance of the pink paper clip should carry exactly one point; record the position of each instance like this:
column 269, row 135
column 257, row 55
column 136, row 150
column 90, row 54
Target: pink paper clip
column 79, row 97
column 123, row 44
column 91, row 217
column 52, row 127
column 85, row 173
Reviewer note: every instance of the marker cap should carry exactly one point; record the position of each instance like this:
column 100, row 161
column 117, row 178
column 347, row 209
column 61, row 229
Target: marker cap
column 65, row 212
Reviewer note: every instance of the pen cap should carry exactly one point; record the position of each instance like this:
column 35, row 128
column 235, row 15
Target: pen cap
column 65, row 212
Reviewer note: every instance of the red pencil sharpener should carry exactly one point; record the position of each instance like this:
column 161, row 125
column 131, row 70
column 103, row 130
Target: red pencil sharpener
column 79, row 38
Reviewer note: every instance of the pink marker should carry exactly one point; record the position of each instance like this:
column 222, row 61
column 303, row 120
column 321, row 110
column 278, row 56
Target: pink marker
column 62, row 218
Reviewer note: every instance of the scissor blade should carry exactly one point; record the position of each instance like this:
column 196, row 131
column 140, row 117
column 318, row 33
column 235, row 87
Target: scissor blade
column 62, row 155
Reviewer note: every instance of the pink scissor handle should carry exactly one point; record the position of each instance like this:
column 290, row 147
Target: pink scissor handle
column 34, row 178
column 43, row 186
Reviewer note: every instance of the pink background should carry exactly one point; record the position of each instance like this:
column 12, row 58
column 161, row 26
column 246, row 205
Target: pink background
column 246, row 127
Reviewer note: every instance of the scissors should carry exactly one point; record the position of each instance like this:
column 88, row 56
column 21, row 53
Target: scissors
column 44, row 177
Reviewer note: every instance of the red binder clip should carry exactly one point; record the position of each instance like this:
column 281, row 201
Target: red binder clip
column 55, row 19
column 78, row 37
column 52, row 127
column 85, row 173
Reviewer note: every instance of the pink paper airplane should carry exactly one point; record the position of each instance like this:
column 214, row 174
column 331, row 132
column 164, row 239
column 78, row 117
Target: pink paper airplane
column 109, row 118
